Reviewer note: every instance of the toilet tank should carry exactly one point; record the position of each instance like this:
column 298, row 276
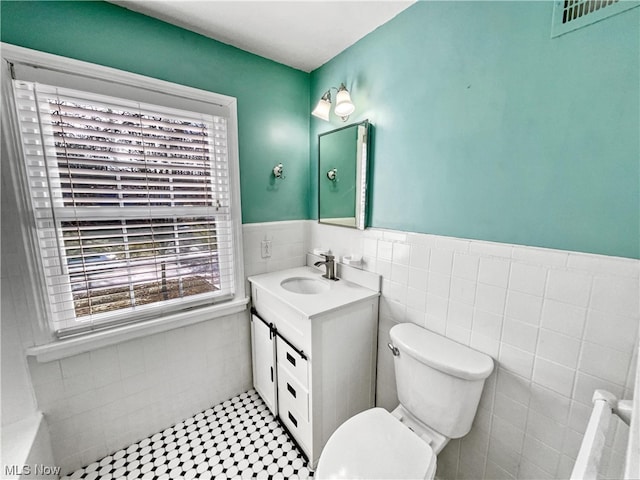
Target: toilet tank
column 439, row 381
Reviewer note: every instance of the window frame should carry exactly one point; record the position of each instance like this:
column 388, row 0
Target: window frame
column 13, row 153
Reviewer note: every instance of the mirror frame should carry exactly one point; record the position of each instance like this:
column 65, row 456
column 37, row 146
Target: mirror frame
column 362, row 167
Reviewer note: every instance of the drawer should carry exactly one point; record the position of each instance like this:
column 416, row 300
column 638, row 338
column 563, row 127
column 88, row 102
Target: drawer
column 293, row 394
column 290, row 359
column 300, row 429
column 290, row 323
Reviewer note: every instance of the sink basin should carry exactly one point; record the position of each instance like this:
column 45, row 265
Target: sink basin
column 304, row 285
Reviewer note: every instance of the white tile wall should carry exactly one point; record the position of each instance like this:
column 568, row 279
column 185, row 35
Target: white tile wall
column 18, row 400
column 558, row 324
column 100, row 401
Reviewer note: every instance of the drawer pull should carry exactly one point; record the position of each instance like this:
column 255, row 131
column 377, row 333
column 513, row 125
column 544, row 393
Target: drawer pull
column 293, row 419
column 292, row 391
column 292, row 360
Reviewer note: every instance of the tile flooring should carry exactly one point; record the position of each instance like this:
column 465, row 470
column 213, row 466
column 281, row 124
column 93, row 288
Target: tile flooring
column 239, row 438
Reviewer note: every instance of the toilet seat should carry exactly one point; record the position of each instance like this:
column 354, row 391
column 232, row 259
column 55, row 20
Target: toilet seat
column 375, row 445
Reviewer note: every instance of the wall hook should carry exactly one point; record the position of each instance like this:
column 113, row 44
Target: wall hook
column 278, row 171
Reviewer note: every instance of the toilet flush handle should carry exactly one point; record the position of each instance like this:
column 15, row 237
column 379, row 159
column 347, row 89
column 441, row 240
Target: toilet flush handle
column 393, row 349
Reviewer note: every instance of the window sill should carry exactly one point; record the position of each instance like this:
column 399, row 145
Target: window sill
column 74, row 346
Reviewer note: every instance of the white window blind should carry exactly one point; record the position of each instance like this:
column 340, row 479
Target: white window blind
column 131, row 204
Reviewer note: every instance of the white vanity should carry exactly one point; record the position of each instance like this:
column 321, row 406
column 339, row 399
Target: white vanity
column 314, row 344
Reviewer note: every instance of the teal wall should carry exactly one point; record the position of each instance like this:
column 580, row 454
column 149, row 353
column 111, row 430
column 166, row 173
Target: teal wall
column 487, row 128
column 273, row 99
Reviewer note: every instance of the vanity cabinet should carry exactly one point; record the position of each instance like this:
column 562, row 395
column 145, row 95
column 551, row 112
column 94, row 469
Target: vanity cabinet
column 314, row 361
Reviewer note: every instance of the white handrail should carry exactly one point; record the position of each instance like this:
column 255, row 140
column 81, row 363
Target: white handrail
column 604, row 405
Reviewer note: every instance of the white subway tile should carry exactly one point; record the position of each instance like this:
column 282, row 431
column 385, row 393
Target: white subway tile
column 466, row 266
column 399, row 273
column 487, row 324
column 437, row 306
column 520, row 335
column 76, row 365
column 543, row 456
column 541, row 256
column 513, row 386
column 460, row 314
column 385, row 250
column 529, row 471
column 624, row 267
column 49, row 393
column 524, row 307
column 494, row 272
column 392, row 309
column 417, row 299
column 563, row 318
column 44, row 372
column 516, row 360
column 494, row 472
column 415, row 316
column 394, row 236
column 421, row 239
column 435, row 323
column 528, row 278
column 439, row 284
column 463, row 290
column 571, row 444
column 545, row 429
column 458, row 333
column 369, row 247
column 491, row 249
column 504, row 456
column 394, row 291
column 452, row 243
column 383, row 268
column 558, row 348
column 611, row 330
column 550, row 403
column 587, row 384
column 604, row 362
column 484, row 344
column 507, row 433
column 419, row 257
column 569, row 287
column 131, row 358
column 441, row 261
column 617, row 295
column 511, row 411
column 401, row 253
column 490, row 298
column 418, row 279
column 554, row 376
column 579, row 415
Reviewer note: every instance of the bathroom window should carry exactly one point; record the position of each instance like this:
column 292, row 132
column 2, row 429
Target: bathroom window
column 132, row 203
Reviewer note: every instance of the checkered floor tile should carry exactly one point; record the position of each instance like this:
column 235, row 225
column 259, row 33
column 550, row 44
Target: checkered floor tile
column 239, row 438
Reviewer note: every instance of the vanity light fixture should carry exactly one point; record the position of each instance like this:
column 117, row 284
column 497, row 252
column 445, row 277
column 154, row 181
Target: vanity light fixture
column 344, row 106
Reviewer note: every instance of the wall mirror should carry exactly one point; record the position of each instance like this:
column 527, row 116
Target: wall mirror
column 343, row 158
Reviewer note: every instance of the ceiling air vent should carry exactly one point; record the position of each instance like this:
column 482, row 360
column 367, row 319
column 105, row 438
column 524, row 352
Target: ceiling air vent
column 569, row 15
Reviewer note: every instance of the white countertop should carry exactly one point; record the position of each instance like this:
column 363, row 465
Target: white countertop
column 340, row 293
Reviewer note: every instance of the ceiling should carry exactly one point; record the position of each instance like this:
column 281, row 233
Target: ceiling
column 303, row 34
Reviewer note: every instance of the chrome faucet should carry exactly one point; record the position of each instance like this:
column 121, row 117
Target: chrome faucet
column 329, row 262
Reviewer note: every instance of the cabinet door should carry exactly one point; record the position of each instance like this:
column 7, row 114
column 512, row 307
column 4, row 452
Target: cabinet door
column 263, row 358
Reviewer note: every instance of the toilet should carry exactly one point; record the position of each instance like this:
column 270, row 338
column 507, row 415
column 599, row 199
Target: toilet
column 439, row 384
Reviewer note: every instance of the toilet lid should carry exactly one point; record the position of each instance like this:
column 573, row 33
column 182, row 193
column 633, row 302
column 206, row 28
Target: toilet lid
column 375, row 445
